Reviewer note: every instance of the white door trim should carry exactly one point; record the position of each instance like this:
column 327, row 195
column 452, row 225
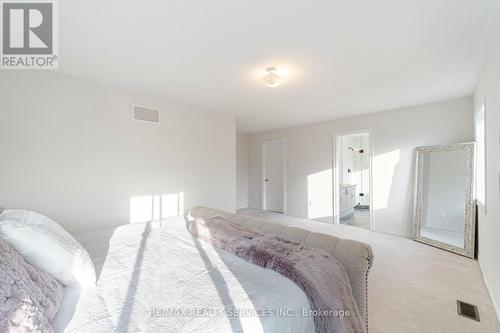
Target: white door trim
column 262, row 173
column 337, row 159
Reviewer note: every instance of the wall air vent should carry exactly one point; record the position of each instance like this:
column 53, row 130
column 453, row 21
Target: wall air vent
column 146, row 113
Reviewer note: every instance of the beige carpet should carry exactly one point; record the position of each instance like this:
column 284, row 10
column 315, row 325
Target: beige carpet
column 412, row 287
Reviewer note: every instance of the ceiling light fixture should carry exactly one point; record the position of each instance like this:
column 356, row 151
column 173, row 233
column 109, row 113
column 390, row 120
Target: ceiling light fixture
column 271, row 78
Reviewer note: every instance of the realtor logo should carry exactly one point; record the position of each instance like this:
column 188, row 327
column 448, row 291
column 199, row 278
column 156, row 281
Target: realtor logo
column 28, row 34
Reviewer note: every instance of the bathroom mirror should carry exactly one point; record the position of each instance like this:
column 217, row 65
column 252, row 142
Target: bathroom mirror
column 444, row 207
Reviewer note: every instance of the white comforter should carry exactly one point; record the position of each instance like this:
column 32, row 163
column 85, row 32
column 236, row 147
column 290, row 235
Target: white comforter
column 162, row 280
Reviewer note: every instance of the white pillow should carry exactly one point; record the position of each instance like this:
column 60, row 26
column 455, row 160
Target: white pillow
column 45, row 244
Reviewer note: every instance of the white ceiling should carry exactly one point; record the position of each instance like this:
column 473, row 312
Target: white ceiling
column 344, row 58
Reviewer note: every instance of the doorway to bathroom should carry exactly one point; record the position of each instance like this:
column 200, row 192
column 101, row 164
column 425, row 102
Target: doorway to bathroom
column 353, row 178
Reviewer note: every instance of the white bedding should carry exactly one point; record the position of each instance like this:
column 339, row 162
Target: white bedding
column 152, row 278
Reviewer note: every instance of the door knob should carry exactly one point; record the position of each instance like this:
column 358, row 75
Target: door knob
column 266, row 180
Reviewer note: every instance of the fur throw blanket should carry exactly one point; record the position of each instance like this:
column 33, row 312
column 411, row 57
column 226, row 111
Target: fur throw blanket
column 316, row 272
column 29, row 297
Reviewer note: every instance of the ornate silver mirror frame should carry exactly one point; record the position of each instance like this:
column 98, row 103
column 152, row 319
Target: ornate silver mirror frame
column 468, row 249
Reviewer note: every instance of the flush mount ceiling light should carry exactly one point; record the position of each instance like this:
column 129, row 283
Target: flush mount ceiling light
column 272, row 78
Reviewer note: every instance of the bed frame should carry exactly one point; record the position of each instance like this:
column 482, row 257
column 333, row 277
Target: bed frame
column 356, row 257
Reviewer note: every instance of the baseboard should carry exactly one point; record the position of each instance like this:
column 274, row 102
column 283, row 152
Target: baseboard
column 492, row 298
column 393, row 232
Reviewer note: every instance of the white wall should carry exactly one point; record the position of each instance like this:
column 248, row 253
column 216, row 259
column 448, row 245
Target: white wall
column 396, row 133
column 241, row 170
column 69, row 149
column 489, row 221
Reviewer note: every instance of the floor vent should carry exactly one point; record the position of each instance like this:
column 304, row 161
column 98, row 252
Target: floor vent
column 146, row 113
column 467, row 310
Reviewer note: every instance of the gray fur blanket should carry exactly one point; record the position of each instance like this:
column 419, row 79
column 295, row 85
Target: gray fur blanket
column 317, row 273
column 29, row 297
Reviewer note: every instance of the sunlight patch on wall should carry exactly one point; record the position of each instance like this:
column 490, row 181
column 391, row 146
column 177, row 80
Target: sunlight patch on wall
column 155, row 207
column 319, row 194
column 172, row 205
column 385, row 166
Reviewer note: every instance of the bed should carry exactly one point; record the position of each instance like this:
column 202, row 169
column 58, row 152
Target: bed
column 158, row 277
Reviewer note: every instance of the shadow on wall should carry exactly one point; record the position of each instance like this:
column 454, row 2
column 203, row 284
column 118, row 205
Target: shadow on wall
column 156, row 206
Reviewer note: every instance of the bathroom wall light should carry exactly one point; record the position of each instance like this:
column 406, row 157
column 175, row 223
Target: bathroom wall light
column 271, row 78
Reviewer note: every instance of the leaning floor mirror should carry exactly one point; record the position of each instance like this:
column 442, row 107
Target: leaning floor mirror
column 444, row 207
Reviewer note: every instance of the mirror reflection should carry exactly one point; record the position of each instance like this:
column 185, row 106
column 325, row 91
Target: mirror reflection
column 444, row 196
column 444, row 207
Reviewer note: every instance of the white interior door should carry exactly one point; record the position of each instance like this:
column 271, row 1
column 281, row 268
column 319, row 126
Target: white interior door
column 273, row 171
